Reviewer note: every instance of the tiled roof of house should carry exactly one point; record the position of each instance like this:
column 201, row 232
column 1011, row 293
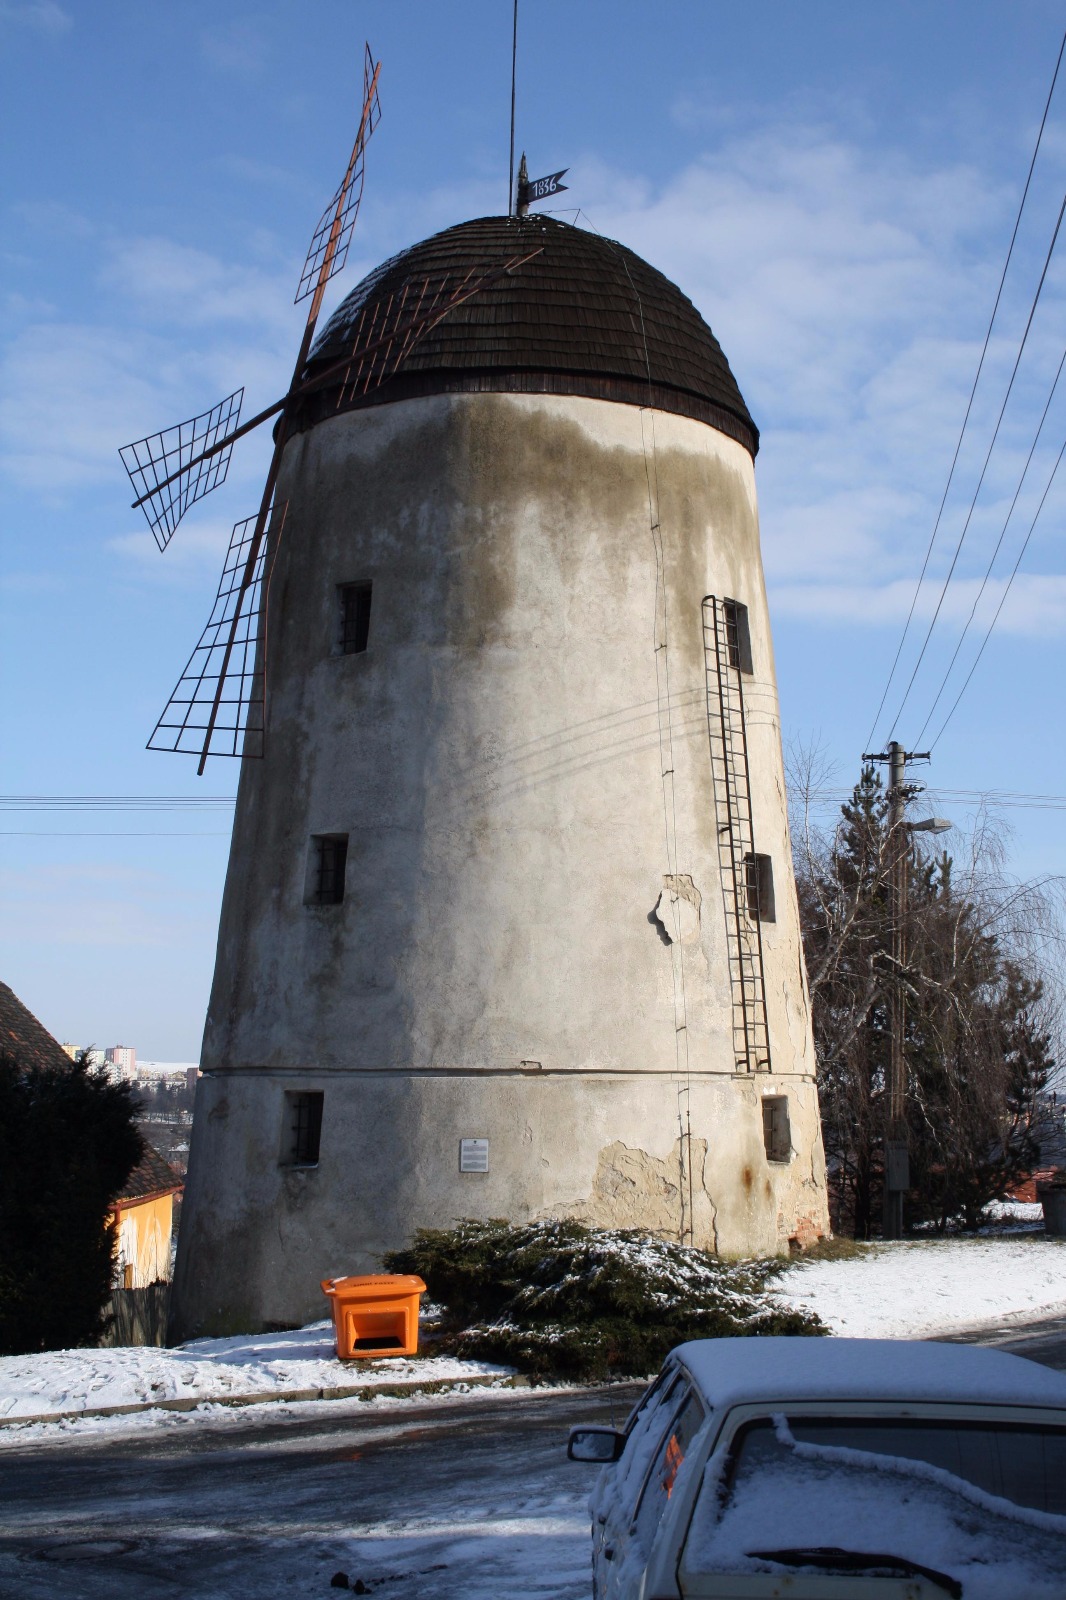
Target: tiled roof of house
column 26, row 1039
column 151, row 1176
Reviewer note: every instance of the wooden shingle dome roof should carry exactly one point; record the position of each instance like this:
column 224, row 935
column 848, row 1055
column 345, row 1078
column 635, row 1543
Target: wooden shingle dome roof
column 584, row 317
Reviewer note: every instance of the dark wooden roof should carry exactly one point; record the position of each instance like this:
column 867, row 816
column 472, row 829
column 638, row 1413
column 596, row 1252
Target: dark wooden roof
column 24, row 1038
column 585, row 317
column 151, row 1176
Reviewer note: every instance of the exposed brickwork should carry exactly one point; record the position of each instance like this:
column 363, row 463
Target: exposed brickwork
column 805, row 1234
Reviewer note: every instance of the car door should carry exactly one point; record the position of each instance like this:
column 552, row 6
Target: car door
column 634, row 1517
column 612, row 1499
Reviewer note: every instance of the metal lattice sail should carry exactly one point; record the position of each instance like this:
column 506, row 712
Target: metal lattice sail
column 219, row 704
column 170, row 470
column 329, row 246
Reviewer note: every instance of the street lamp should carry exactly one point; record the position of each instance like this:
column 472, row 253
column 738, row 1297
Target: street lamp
column 897, row 1152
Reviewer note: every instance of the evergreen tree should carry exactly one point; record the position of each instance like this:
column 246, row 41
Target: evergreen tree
column 67, row 1145
column 978, row 1046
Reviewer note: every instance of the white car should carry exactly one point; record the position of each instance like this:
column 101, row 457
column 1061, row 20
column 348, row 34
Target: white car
column 834, row 1469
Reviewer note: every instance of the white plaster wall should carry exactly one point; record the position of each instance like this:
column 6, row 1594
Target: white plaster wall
column 520, row 760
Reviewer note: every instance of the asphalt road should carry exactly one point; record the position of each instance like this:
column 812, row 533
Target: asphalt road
column 1039, row 1341
column 470, row 1498
column 463, row 1499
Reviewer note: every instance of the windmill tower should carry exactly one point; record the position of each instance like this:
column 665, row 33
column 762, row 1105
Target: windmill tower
column 509, row 926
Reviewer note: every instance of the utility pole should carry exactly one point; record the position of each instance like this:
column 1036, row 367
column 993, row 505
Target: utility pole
column 897, row 1154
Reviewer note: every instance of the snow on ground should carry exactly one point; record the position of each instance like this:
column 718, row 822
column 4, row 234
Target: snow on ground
column 208, row 1369
column 917, row 1289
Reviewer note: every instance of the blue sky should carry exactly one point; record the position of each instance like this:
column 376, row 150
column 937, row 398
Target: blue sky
column 833, row 184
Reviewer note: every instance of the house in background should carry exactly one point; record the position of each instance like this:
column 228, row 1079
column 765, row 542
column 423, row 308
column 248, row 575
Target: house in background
column 144, row 1211
column 26, row 1040
column 144, row 1222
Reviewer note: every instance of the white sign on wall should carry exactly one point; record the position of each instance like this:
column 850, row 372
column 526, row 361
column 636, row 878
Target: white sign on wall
column 473, row 1155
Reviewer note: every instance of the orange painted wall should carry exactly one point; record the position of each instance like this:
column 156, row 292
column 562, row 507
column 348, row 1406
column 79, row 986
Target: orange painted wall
column 144, row 1229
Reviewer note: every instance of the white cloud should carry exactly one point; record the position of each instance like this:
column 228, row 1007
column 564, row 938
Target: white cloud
column 181, row 285
column 1035, row 605
column 849, row 286
column 236, row 46
column 196, row 549
column 850, row 289
column 44, row 15
column 190, row 329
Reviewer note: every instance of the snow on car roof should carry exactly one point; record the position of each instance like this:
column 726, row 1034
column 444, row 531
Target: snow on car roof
column 741, row 1371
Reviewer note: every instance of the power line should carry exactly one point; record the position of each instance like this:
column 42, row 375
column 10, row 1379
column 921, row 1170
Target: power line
column 984, row 469
column 97, row 802
column 995, row 553
column 1008, row 798
column 973, row 391
column 1003, row 598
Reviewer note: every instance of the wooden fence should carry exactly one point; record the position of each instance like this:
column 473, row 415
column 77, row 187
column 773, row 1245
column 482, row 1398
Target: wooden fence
column 139, row 1316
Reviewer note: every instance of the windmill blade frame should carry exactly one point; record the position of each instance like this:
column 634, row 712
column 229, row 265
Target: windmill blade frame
column 328, row 250
column 218, row 706
column 173, row 469
column 413, row 329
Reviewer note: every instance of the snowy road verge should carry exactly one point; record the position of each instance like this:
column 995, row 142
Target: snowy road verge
column 918, row 1289
column 242, row 1371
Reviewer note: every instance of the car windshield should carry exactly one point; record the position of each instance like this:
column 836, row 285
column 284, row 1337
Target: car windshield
column 982, row 1503
column 1022, row 1463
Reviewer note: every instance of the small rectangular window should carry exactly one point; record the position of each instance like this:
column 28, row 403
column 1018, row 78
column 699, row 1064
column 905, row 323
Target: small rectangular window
column 355, row 618
column 737, row 635
column 759, row 887
column 302, row 1130
column 776, row 1132
column 326, row 868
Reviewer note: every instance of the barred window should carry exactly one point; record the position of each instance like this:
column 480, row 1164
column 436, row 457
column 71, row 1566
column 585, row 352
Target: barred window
column 302, row 1129
column 776, row 1131
column 355, row 617
column 737, row 635
column 759, row 887
column 325, row 878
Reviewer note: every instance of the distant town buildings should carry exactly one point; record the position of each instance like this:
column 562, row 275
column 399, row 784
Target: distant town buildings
column 122, row 1060
column 120, row 1063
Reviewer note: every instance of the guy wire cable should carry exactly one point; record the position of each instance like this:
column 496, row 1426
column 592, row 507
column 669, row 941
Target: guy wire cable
column 995, row 553
column 984, row 469
column 973, row 391
column 1003, row 598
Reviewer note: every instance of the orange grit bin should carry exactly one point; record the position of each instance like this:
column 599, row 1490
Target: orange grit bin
column 376, row 1315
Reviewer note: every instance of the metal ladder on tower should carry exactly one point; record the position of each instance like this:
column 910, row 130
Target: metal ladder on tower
column 737, row 860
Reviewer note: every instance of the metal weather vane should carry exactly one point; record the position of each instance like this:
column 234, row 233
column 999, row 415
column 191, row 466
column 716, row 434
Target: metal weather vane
column 219, row 704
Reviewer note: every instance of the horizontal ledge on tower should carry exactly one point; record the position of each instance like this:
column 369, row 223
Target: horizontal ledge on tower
column 308, row 1072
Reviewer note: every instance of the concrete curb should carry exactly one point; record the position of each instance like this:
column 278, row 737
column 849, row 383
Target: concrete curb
column 344, row 1391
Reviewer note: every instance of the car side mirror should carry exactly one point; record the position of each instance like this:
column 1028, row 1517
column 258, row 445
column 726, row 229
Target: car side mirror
column 602, row 1445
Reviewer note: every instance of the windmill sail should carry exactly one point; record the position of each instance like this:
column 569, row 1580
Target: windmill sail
column 172, row 469
column 218, row 706
column 329, row 246
column 386, row 331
